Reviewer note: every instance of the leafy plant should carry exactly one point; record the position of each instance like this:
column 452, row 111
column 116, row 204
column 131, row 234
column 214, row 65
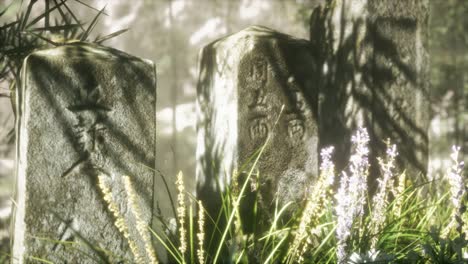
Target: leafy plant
column 398, row 228
column 25, row 34
column 403, row 227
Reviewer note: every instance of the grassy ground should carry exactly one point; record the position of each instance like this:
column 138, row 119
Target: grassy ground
column 339, row 222
column 403, row 222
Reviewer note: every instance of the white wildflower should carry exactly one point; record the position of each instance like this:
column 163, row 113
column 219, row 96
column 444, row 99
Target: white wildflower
column 457, row 185
column 372, row 256
column 315, row 204
column 327, row 167
column 458, row 192
column 352, row 193
column 379, row 202
column 359, row 170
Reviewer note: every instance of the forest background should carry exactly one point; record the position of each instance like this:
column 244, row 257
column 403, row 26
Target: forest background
column 172, row 32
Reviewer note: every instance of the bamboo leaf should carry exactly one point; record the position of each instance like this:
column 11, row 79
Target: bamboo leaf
column 41, row 37
column 62, row 14
column 47, row 18
column 34, row 21
column 90, row 7
column 28, row 13
column 6, row 9
column 55, row 28
column 71, row 13
column 8, row 25
column 112, row 35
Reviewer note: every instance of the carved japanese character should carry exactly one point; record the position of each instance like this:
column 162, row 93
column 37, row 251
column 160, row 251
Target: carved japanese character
column 258, row 99
column 259, row 128
column 296, row 130
column 90, row 114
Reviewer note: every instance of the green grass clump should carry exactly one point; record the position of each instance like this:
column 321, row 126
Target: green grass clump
column 339, row 222
column 403, row 222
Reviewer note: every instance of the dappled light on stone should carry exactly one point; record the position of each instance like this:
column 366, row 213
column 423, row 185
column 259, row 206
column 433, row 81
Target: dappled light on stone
column 245, row 80
column 84, row 111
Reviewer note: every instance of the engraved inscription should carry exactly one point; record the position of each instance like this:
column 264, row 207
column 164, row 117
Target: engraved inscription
column 258, row 77
column 296, row 130
column 259, row 99
column 90, row 113
column 259, row 70
column 259, row 128
column 296, row 125
column 256, row 81
column 89, row 131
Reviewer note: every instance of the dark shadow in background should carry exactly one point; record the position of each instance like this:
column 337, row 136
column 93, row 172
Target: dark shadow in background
column 373, row 97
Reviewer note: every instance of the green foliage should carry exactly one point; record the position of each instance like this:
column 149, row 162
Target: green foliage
column 413, row 216
column 443, row 250
column 25, row 34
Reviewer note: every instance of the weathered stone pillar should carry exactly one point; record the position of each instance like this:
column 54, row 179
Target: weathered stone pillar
column 86, row 118
column 374, row 68
column 245, row 79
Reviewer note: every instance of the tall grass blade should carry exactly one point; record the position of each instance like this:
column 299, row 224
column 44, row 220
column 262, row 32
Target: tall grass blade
column 171, row 248
column 239, row 259
column 166, row 186
column 275, row 249
column 41, row 260
column 244, row 187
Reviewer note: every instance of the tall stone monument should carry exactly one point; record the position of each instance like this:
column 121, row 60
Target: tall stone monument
column 245, row 80
column 374, row 73
column 86, row 119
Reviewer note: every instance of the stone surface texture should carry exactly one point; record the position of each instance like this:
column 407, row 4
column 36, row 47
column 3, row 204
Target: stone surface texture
column 83, row 111
column 374, row 73
column 245, row 80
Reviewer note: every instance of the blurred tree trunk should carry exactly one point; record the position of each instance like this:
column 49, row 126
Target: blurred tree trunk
column 174, row 89
column 458, row 61
column 375, row 74
column 448, row 48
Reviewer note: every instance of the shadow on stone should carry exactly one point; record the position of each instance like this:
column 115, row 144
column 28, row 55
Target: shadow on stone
column 374, row 75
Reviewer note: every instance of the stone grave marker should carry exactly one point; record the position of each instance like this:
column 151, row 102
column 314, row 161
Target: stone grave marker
column 245, row 79
column 86, row 119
